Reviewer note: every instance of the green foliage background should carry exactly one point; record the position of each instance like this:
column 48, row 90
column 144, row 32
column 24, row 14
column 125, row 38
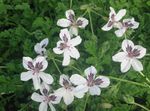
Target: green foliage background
column 23, row 23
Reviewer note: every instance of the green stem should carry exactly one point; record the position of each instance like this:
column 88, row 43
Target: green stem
column 127, row 81
column 87, row 97
column 91, row 24
column 70, row 4
column 147, row 79
column 56, row 66
column 84, row 13
column 147, row 54
column 2, row 67
column 137, row 104
column 71, row 66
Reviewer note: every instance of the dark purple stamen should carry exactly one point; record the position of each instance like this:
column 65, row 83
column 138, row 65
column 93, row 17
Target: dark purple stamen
column 98, row 81
column 39, row 66
column 132, row 52
column 52, row 98
column 79, row 22
column 71, row 17
column 30, row 65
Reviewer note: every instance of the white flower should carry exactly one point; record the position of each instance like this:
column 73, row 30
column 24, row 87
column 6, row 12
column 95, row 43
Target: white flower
column 72, row 22
column 45, row 99
column 127, row 23
column 67, row 91
column 40, row 47
column 35, row 71
column 129, row 56
column 114, row 19
column 66, row 46
column 91, row 83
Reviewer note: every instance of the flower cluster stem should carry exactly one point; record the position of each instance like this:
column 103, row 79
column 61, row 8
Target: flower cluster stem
column 56, row 66
column 87, row 97
column 143, row 107
column 146, row 78
column 91, row 24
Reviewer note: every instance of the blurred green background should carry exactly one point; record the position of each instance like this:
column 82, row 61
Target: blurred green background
column 23, row 23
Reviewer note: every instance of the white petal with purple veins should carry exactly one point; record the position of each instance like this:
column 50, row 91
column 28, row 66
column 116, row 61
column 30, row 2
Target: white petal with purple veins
column 25, row 62
column 62, row 78
column 142, row 50
column 64, row 34
column 68, row 13
column 57, row 50
column 126, row 43
column 82, row 22
column 90, row 70
column 106, row 27
column 105, row 81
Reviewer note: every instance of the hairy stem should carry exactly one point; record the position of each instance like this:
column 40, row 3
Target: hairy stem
column 143, row 107
column 56, row 66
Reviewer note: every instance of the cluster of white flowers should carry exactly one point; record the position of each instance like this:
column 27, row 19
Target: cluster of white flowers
column 131, row 53
column 114, row 22
column 76, row 85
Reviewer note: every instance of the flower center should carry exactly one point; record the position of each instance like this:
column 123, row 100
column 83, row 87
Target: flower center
column 132, row 52
column 91, row 82
column 128, row 24
column 67, row 84
column 38, row 66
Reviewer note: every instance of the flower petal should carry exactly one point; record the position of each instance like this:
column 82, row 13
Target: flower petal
column 57, row 50
column 44, row 86
column 125, row 65
column 79, row 94
column 73, row 30
column 95, row 90
column 107, row 27
column 68, row 97
column 36, row 82
column 119, row 57
column 63, row 22
column 25, row 76
column 77, row 79
column 120, row 32
column 47, row 78
column 137, row 65
column 66, row 59
column 105, row 81
column 112, row 12
column 57, row 99
column 142, row 51
column 52, row 107
column 36, row 97
column 44, row 43
column 81, row 88
column 69, row 14
column 26, row 60
column 42, row 60
column 74, row 53
column 75, row 41
column 125, row 43
column 38, row 48
column 90, row 70
column 43, row 106
column 120, row 14
column 64, row 35
column 82, row 22
column 60, row 92
column 62, row 78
